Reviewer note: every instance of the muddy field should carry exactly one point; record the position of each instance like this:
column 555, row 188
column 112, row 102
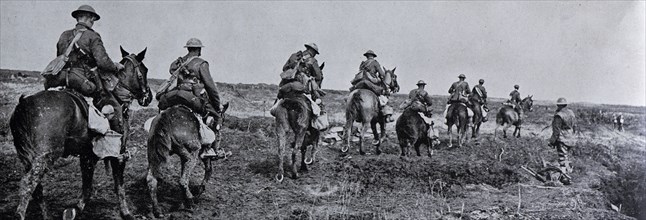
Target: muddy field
column 482, row 180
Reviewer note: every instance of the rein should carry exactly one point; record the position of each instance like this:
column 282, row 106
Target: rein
column 140, row 78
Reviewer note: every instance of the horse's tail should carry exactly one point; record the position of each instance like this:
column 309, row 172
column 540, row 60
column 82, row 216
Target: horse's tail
column 353, row 111
column 297, row 111
column 23, row 137
column 159, row 141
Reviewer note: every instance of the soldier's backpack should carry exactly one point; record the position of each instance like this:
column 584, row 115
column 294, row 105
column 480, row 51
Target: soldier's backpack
column 56, row 65
column 291, row 72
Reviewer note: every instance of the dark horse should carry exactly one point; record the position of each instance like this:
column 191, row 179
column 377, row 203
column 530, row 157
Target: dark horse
column 363, row 107
column 459, row 118
column 177, row 131
column 295, row 114
column 50, row 124
column 413, row 131
column 507, row 116
column 477, row 113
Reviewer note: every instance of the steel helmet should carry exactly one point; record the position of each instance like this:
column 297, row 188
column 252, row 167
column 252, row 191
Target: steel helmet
column 85, row 8
column 421, row 82
column 193, row 42
column 561, row 101
column 516, row 86
column 462, row 76
column 481, row 81
column 370, row 52
column 313, row 46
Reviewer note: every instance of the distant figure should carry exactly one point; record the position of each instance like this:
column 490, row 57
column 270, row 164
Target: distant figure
column 371, row 76
column 514, row 100
column 563, row 139
column 479, row 95
column 420, row 101
column 459, row 95
column 619, row 122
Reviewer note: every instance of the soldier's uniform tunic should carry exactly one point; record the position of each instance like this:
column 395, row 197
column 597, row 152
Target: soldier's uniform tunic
column 197, row 79
column 563, row 128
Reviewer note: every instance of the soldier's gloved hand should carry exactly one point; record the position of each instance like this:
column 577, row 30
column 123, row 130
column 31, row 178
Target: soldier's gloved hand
column 119, row 66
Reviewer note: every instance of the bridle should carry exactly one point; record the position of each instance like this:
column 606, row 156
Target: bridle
column 140, row 78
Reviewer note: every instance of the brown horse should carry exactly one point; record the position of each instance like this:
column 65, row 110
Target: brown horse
column 51, row 124
column 176, row 131
column 413, row 131
column 507, row 116
column 295, row 113
column 478, row 117
column 457, row 116
column 363, row 107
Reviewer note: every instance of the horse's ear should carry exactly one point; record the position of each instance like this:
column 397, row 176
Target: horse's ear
column 394, row 69
column 322, row 65
column 140, row 56
column 124, row 53
column 384, row 68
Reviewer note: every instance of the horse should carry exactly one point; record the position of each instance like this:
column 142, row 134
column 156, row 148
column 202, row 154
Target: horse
column 413, row 131
column 478, row 117
column 51, row 124
column 295, row 114
column 458, row 117
column 507, row 116
column 177, row 131
column 363, row 107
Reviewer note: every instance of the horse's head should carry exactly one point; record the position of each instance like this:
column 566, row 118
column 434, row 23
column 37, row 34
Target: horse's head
column 527, row 103
column 391, row 80
column 134, row 77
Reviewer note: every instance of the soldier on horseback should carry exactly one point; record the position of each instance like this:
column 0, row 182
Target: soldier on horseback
column 194, row 89
column 459, row 95
column 480, row 98
column 563, row 139
column 86, row 58
column 514, row 100
column 302, row 74
column 420, row 101
column 371, row 76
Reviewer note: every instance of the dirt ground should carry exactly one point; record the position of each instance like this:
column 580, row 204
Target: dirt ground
column 481, row 180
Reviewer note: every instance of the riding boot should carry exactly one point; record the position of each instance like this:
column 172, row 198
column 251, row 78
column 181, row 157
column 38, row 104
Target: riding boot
column 214, row 150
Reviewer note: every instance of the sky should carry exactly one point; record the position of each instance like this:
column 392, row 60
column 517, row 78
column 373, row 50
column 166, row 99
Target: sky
column 584, row 51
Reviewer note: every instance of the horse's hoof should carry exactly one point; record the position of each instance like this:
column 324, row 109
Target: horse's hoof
column 378, row 152
column 295, row 176
column 189, row 204
column 200, row 190
column 362, row 153
column 303, row 169
column 309, row 161
column 128, row 217
column 279, row 178
column 158, row 213
column 69, row 214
